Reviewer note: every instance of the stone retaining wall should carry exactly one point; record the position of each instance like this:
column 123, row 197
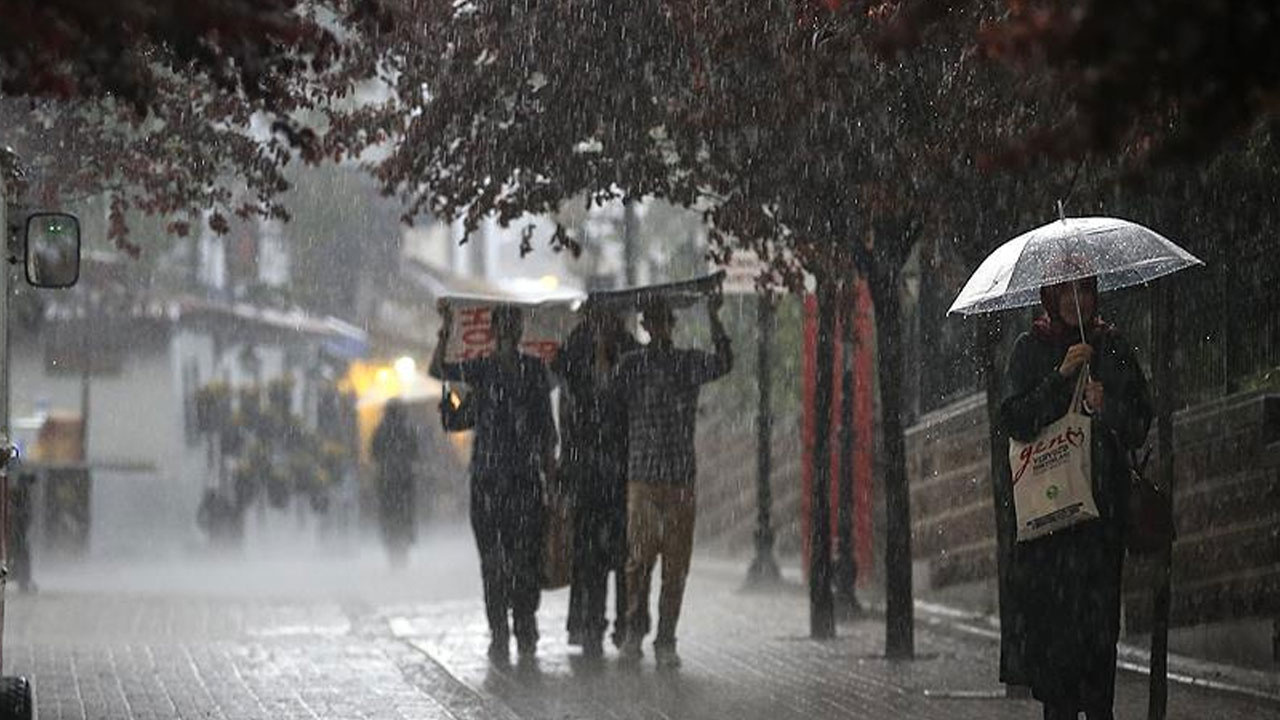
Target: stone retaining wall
column 1226, row 563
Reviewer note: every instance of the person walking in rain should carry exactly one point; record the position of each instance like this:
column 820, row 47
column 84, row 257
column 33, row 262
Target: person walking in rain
column 594, row 463
column 514, row 446
column 395, row 450
column 1066, row 586
column 660, row 386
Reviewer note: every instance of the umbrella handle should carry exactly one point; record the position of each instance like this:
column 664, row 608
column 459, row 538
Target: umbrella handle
column 1075, row 291
column 1078, row 403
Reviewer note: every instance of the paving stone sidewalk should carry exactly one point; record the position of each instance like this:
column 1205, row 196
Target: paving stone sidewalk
column 418, row 652
column 747, row 656
column 149, row 658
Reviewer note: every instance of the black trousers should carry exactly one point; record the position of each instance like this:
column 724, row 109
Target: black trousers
column 599, row 548
column 20, row 513
column 508, row 530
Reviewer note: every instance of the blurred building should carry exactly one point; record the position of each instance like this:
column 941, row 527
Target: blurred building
column 130, row 367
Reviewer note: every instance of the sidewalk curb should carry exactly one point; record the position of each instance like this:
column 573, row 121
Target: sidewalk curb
column 1183, row 670
column 459, row 698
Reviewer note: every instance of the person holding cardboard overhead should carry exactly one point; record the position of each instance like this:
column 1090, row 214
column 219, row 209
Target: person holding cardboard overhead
column 660, row 384
column 514, row 446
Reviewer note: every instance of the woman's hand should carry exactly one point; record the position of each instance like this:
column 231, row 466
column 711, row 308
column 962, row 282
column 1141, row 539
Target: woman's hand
column 442, row 340
column 1077, row 355
column 1093, row 395
column 446, row 322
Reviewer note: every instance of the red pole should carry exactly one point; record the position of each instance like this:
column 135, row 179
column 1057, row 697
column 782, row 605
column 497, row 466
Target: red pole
column 863, row 428
column 809, row 421
column 863, row 424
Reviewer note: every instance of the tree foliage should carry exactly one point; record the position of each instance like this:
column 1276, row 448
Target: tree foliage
column 512, row 108
column 131, row 49
column 788, row 125
column 169, row 107
column 1153, row 80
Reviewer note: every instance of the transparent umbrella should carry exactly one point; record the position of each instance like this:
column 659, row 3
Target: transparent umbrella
column 1118, row 252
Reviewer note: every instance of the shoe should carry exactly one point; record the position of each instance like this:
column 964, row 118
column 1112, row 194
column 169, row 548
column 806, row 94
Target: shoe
column 499, row 651
column 665, row 656
column 527, row 647
column 630, row 653
column 526, row 631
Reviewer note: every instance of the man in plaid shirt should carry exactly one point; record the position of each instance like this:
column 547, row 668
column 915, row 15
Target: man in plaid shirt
column 660, row 384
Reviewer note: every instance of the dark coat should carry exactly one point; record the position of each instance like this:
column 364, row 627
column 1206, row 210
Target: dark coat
column 1065, row 587
column 395, row 449
column 514, row 424
column 594, row 447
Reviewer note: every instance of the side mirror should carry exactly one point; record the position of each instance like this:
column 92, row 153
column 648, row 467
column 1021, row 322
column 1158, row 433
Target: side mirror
column 53, row 250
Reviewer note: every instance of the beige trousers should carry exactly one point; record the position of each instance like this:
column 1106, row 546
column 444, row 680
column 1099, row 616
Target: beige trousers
column 659, row 523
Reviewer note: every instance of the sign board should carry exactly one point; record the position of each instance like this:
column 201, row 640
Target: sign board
column 741, row 272
column 546, row 325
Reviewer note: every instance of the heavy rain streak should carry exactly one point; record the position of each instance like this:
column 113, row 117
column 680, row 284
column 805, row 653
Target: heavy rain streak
column 386, row 359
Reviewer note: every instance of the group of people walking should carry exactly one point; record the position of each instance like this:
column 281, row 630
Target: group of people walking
column 626, row 457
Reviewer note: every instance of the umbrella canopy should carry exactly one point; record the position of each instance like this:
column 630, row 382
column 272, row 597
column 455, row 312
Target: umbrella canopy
column 1118, row 252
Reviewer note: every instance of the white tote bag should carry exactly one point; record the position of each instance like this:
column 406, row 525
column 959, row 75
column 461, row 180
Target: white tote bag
column 1052, row 474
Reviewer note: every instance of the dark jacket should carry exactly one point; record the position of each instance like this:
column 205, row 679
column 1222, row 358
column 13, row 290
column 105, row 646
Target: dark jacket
column 594, row 443
column 514, row 425
column 395, row 449
column 1065, row 587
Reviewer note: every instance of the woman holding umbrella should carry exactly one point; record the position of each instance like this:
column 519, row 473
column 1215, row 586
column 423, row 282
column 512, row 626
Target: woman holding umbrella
column 1062, row 617
column 1066, row 585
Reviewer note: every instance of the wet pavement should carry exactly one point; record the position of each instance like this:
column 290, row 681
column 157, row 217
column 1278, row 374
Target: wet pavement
column 322, row 638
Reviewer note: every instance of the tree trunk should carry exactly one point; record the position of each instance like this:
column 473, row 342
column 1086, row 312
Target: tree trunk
column 630, row 244
column 821, row 600
column 1006, row 521
column 899, row 614
column 764, row 569
column 1166, row 390
column 846, row 573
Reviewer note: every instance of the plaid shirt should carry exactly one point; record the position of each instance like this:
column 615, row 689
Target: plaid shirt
column 660, row 388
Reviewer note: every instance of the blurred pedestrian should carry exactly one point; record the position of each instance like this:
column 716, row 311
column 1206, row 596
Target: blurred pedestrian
column 395, row 450
column 20, row 515
column 660, row 385
column 1065, row 587
column 514, row 446
column 593, row 463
